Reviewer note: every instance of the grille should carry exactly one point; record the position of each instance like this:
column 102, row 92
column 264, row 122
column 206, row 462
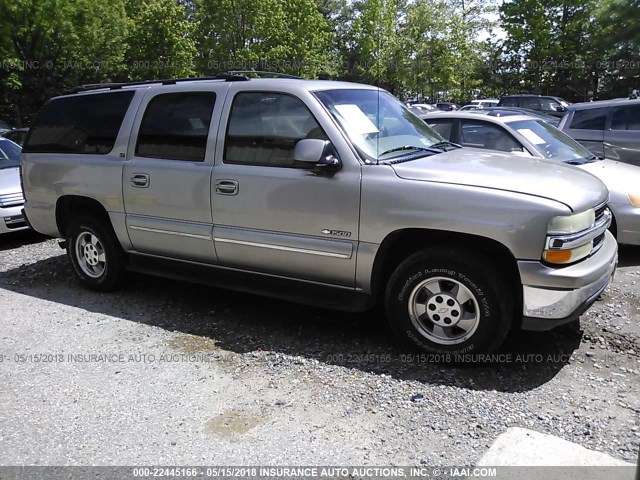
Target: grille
column 16, row 221
column 11, row 200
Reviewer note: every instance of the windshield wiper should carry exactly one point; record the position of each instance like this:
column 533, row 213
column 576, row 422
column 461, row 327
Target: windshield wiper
column 445, row 143
column 411, row 147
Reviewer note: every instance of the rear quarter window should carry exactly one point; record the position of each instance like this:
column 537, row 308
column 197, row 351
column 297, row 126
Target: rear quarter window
column 87, row 124
column 589, row 119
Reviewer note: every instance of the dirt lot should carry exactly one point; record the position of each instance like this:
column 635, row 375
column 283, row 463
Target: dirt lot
column 164, row 372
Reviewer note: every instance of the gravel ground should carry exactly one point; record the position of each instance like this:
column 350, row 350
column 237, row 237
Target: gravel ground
column 183, row 374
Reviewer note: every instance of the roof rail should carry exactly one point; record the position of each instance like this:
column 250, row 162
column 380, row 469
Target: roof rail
column 262, row 73
column 226, row 76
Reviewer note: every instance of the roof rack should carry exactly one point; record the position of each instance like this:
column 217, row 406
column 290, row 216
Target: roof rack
column 226, row 76
column 263, row 74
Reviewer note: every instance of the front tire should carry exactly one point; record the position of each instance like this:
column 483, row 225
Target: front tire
column 95, row 254
column 450, row 302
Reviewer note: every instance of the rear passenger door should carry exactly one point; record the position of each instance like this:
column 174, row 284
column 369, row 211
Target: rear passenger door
column 587, row 127
column 167, row 176
column 622, row 139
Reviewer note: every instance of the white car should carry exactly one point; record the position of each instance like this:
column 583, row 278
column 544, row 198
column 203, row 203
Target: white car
column 11, row 198
column 528, row 136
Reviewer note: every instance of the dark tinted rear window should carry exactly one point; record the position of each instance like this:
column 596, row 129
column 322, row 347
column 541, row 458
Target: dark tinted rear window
column 175, row 126
column 589, row 119
column 626, row 118
column 79, row 124
column 509, row 102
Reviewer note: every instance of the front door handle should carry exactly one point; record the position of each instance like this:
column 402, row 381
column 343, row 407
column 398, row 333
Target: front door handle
column 226, row 187
column 140, row 180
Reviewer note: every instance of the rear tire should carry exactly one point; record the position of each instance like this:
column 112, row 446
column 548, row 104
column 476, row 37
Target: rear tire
column 450, row 302
column 95, row 254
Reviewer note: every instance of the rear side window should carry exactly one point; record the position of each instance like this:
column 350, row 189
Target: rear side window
column 589, row 119
column 530, row 102
column 626, row 118
column 86, row 124
column 175, row 126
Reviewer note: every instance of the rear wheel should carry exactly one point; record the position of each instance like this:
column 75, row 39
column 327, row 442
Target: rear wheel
column 95, row 254
column 448, row 301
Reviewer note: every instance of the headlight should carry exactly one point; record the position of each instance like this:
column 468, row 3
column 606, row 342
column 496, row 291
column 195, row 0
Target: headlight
column 634, row 199
column 572, row 223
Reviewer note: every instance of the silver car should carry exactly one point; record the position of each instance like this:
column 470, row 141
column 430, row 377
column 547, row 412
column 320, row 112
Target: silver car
column 526, row 136
column 11, row 198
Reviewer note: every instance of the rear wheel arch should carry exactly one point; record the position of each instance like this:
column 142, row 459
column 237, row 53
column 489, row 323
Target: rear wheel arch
column 69, row 207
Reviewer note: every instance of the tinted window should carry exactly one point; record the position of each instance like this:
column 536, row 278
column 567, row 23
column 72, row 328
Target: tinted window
column 549, row 104
column 79, row 124
column 509, row 102
column 443, row 127
column 485, row 135
column 530, row 102
column 265, row 127
column 626, row 118
column 589, row 119
column 175, row 126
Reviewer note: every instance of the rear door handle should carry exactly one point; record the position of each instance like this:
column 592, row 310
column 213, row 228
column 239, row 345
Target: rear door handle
column 140, row 180
column 226, row 187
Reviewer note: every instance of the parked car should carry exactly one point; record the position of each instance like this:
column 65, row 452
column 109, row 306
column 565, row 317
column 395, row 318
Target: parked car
column 11, row 198
column 420, row 108
column 466, row 108
column 507, row 111
column 327, row 193
column 528, row 137
column 609, row 128
column 485, row 102
column 446, row 106
column 17, row 135
column 550, row 105
column 4, row 127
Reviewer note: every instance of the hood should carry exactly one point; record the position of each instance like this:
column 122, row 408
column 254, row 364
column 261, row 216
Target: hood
column 10, row 180
column 620, row 178
column 575, row 188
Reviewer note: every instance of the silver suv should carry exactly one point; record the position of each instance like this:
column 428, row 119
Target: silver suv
column 328, row 193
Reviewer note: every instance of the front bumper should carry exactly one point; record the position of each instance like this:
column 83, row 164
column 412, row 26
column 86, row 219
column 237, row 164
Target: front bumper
column 12, row 220
column 554, row 296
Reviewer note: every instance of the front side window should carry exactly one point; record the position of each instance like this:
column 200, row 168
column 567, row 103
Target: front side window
column 486, row 135
column 264, row 128
column 589, row 119
column 532, row 103
column 443, row 127
column 9, row 154
column 175, row 126
column 87, row 124
column 378, row 124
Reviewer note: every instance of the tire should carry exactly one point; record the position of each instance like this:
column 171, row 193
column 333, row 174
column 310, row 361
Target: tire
column 95, row 254
column 447, row 301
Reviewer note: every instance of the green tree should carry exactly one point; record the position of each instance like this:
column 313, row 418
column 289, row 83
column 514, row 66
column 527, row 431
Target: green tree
column 160, row 43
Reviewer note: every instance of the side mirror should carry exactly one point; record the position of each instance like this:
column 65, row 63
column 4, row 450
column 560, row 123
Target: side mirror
column 319, row 153
column 561, row 109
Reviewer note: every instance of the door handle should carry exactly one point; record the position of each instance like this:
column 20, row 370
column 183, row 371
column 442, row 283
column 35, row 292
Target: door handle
column 140, row 180
column 226, row 187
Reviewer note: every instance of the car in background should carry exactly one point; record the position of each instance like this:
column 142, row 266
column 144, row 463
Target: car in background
column 17, row 135
column 446, row 106
column 485, row 102
column 469, row 107
column 420, row 108
column 11, row 197
column 4, row 127
column 550, row 105
column 609, row 128
column 527, row 136
column 510, row 111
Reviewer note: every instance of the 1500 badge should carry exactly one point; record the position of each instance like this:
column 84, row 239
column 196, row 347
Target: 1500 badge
column 336, row 233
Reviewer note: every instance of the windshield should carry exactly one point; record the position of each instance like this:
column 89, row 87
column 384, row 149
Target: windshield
column 551, row 143
column 9, row 154
column 376, row 123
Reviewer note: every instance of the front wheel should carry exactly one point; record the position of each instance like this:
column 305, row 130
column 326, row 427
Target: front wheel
column 95, row 254
column 450, row 302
